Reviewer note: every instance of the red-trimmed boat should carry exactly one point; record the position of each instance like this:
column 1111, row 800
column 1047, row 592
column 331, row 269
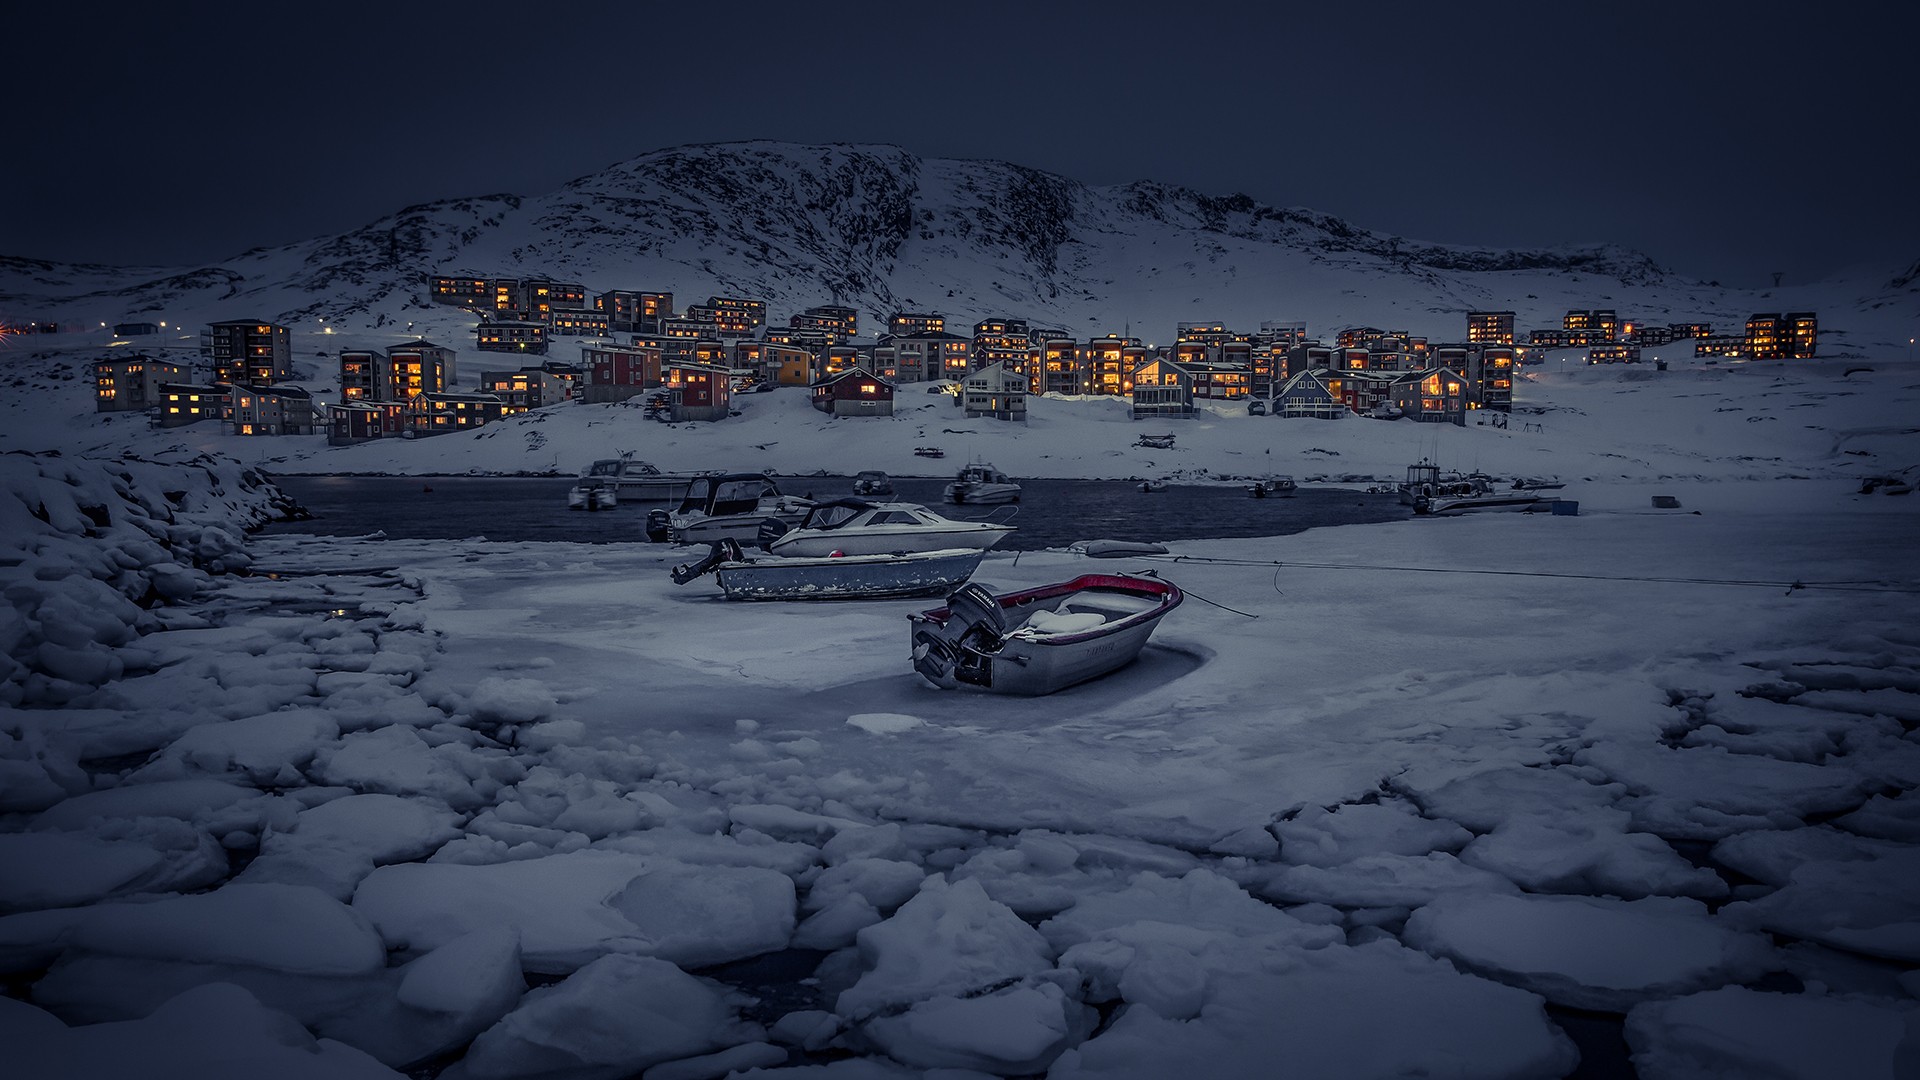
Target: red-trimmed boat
column 1039, row 640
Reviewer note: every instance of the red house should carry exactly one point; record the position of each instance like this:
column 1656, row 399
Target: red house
column 853, row 392
column 698, row 391
column 618, row 372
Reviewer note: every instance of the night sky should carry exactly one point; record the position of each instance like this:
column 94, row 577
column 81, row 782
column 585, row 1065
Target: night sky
column 1726, row 141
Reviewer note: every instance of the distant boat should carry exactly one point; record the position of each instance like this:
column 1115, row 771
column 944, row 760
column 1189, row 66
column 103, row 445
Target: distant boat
column 1039, row 640
column 858, row 527
column 1431, row 492
column 638, row 481
column 981, row 483
column 1282, row 486
column 871, row 482
column 840, row 577
column 928, row 451
column 1154, row 485
column 593, row 493
column 1156, row 442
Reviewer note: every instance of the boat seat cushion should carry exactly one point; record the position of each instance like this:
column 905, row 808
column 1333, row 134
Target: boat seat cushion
column 1108, row 605
column 1064, row 622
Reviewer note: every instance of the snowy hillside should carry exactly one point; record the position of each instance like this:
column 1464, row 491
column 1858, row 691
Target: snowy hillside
column 887, row 230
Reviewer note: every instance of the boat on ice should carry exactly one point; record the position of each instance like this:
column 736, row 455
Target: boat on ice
column 593, row 493
column 725, row 506
column 859, row 527
column 639, row 481
column 1431, row 492
column 1155, row 442
column 982, row 483
column 1282, row 486
column 1462, row 496
column 838, row 577
column 928, row 451
column 872, row 482
column 1036, row 641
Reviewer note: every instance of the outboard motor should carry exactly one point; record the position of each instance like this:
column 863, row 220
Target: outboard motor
column 770, row 530
column 657, row 528
column 722, row 550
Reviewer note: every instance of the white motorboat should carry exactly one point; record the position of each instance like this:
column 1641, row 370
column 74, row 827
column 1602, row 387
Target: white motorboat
column 846, row 577
column 1037, row 641
column 725, row 506
column 982, row 483
column 639, row 481
column 593, row 493
column 859, row 527
column 1459, row 497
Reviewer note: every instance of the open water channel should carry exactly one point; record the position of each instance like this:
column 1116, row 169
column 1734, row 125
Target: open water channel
column 1051, row 513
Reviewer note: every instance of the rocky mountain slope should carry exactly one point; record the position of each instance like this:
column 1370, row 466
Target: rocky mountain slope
column 883, row 229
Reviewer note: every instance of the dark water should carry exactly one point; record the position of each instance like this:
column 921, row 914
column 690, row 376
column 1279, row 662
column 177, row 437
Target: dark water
column 1051, row 513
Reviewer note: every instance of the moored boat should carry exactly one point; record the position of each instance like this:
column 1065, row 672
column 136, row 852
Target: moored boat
column 725, row 506
column 982, row 483
column 858, row 527
column 872, row 482
column 846, row 577
column 593, row 493
column 1151, row 486
column 1463, row 496
column 639, row 481
column 1155, row 442
column 1277, row 485
column 1036, row 641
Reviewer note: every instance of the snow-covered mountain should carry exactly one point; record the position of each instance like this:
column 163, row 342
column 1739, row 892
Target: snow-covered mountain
column 883, row 230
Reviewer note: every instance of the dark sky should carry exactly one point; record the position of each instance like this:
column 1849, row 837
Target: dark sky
column 1726, row 141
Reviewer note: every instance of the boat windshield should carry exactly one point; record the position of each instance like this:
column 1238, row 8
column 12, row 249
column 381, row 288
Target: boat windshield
column 739, row 496
column 604, row 467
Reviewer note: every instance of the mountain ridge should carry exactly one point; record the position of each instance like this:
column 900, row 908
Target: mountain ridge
column 882, row 228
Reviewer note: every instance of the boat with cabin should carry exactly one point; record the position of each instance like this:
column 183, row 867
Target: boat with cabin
column 1431, row 492
column 870, row 482
column 593, row 493
column 1039, row 640
column 859, row 527
column 1282, row 486
column 639, row 481
column 838, row 577
column 981, row 483
column 725, row 506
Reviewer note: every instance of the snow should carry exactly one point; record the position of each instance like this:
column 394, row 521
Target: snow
column 1375, row 831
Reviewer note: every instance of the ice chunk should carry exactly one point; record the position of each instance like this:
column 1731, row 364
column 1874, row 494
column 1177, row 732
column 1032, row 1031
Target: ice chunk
column 700, row 915
column 1589, row 852
column 60, row 869
column 613, row 1017
column 1866, row 905
column 1590, row 953
column 495, row 700
column 1483, row 800
column 239, row 924
column 884, row 723
column 1333, row 1013
column 883, row 883
column 1771, row 855
column 571, row 908
column 726, row 1062
column 1017, row 1030
column 214, row 1032
column 1320, row 837
column 1201, row 901
column 1374, row 881
column 436, row 1004
column 182, row 799
column 1734, row 1033
column 257, row 747
column 948, row 940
